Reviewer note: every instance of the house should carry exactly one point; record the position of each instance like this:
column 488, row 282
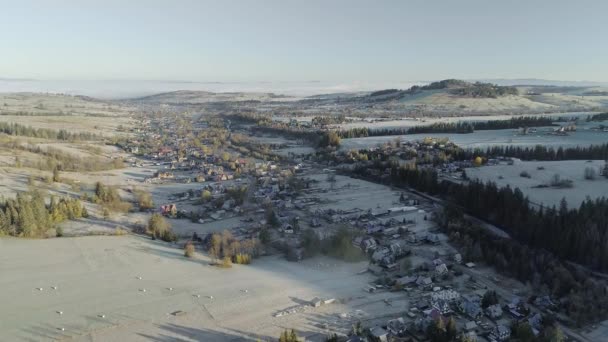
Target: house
column 168, row 209
column 397, row 250
column 544, row 302
column 380, row 254
column 378, row 334
column 424, row 281
column 437, row 262
column 228, row 204
column 515, row 307
column 494, row 311
column 450, row 296
column 413, row 239
column 355, row 338
column 164, row 175
column 501, row 333
column 441, row 269
column 470, row 326
column 407, row 280
column 288, row 229
column 432, row 239
column 375, row 269
column 442, row 306
column 316, row 302
column 396, row 327
column 470, row 305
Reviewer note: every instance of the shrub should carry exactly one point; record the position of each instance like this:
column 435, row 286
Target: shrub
column 525, row 174
column 144, row 200
column 159, row 228
column 590, row 173
column 120, row 231
column 557, row 182
column 189, row 249
column 226, row 263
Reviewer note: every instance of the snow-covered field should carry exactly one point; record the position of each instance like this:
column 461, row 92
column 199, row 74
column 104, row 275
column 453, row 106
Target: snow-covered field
column 483, row 139
column 569, row 169
column 99, row 296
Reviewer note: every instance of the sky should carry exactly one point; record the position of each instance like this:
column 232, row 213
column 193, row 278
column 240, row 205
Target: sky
column 302, row 41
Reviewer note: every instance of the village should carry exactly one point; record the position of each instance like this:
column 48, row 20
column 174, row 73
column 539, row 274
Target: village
column 426, row 285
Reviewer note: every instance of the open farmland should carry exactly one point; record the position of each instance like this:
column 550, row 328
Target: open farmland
column 100, row 297
column 55, row 111
column 489, row 138
column 542, row 173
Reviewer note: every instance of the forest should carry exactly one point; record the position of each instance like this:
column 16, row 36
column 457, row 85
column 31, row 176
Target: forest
column 44, row 133
column 463, row 88
column 29, row 216
column 461, row 127
column 598, row 117
column 546, row 237
column 540, row 152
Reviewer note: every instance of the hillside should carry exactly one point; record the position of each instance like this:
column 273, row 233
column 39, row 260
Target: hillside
column 190, row 97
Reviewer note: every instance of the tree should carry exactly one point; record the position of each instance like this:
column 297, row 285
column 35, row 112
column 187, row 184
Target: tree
column 451, row 330
column 226, row 262
column 478, row 161
column 332, row 338
column 489, row 298
column 206, row 196
column 554, row 334
column 590, row 173
column 144, row 200
column 264, row 236
column 271, row 217
column 523, row 332
column 106, row 214
column 56, row 176
column 159, row 228
column 289, row 336
column 189, row 249
column 215, row 246
column 331, row 178
column 310, row 242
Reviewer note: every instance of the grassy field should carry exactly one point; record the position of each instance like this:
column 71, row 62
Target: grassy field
column 541, row 173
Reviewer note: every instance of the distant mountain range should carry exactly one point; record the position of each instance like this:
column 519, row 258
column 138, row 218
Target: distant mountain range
column 137, row 88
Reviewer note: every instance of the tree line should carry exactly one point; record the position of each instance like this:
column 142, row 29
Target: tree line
column 583, row 299
column 461, row 127
column 29, row 216
column 598, row 117
column 226, row 248
column 44, row 133
column 541, row 152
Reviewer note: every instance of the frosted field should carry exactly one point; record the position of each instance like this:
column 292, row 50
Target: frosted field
column 569, row 169
column 99, row 296
column 483, row 139
column 426, row 121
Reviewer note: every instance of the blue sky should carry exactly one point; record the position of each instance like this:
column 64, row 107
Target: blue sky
column 286, row 41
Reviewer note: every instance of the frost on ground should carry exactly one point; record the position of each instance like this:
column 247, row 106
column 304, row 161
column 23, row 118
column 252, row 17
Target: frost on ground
column 542, row 173
column 98, row 288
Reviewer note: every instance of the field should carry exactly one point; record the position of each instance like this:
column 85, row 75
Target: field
column 488, row 138
column 101, row 298
column 75, row 114
column 504, row 175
